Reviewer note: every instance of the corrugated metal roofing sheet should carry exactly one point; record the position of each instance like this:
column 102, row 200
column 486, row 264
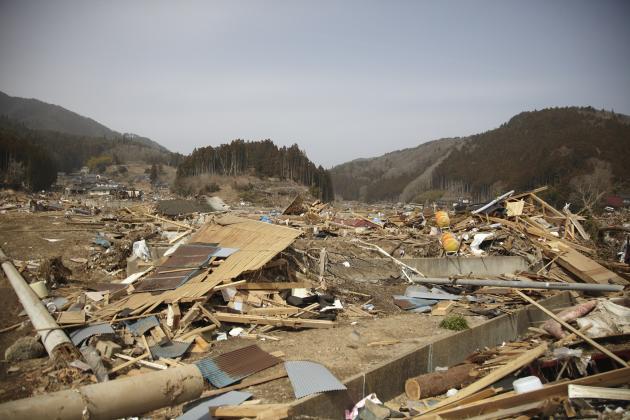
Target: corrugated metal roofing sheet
column 407, row 303
column 201, row 408
column 143, row 325
column 233, row 366
column 311, row 378
column 164, row 281
column 170, row 350
column 81, row 335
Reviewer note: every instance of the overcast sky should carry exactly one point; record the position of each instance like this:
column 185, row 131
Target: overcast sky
column 343, row 79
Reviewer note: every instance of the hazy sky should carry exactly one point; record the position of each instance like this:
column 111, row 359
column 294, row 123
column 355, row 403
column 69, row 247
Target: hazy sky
column 343, row 79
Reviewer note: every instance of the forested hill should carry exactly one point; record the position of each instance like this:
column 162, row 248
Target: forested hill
column 551, row 146
column 258, row 158
column 39, row 115
column 33, row 157
column 399, row 175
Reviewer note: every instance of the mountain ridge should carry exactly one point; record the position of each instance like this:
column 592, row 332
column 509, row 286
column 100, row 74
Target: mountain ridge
column 39, row 115
column 533, row 147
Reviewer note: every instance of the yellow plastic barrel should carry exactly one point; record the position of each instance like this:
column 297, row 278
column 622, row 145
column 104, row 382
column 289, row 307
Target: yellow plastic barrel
column 449, row 242
column 442, row 220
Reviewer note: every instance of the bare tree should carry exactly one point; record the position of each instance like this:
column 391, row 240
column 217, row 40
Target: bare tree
column 588, row 189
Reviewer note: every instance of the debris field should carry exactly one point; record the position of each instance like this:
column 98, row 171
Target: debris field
column 248, row 312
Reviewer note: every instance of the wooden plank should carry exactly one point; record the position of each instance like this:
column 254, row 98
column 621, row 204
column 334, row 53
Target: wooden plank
column 129, row 362
column 510, row 399
column 527, row 193
column 195, row 332
column 274, row 311
column 178, row 237
column 142, row 361
column 584, row 391
column 275, row 285
column 586, row 269
column 238, row 411
column 161, row 219
column 547, row 205
column 513, row 412
column 210, row 316
column 71, row 317
column 278, row 322
column 232, row 284
column 573, row 330
column 442, row 308
column 497, row 374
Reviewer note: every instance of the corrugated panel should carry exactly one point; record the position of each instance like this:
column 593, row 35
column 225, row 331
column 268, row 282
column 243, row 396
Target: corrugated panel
column 81, row 335
column 233, row 366
column 311, row 378
column 171, row 350
column 194, row 255
column 143, row 325
column 164, row 281
column 407, row 303
column 257, row 243
column 200, row 409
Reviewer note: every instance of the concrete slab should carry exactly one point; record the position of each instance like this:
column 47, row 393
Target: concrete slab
column 478, row 266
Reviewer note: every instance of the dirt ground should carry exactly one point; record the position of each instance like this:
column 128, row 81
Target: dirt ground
column 344, row 349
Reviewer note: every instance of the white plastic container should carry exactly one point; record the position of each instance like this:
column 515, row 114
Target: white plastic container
column 527, row 384
column 39, row 287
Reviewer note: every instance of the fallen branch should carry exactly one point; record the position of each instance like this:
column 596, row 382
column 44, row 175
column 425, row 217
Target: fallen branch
column 382, row 251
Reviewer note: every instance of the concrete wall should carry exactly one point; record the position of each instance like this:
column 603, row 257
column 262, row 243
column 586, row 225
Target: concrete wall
column 388, row 379
column 482, row 266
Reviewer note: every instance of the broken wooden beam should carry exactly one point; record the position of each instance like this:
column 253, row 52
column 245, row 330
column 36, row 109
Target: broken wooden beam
column 277, row 322
column 267, row 411
column 574, row 330
column 497, row 374
column 584, row 391
column 437, row 383
column 510, row 399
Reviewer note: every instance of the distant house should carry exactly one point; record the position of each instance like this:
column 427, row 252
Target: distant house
column 131, row 193
column 101, row 190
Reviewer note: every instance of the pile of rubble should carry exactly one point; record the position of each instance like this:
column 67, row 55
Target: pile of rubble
column 178, row 286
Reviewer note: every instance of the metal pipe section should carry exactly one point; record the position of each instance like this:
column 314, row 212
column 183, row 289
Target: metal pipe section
column 131, row 396
column 54, row 339
column 525, row 284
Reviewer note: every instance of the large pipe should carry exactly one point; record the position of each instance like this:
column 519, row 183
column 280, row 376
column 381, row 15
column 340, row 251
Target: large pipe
column 131, row 396
column 55, row 340
column 525, row 284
